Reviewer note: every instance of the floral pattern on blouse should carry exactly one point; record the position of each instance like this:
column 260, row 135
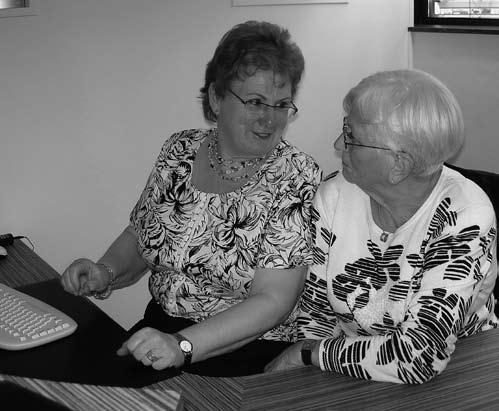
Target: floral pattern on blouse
column 393, row 310
column 203, row 248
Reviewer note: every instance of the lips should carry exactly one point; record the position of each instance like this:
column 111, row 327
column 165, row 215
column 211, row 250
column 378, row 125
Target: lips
column 263, row 136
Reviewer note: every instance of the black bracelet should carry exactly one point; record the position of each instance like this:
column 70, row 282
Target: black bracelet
column 306, row 352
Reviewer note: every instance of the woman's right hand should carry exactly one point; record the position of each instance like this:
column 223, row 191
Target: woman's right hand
column 84, row 277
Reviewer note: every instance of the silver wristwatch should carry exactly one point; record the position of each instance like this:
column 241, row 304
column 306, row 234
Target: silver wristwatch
column 186, row 348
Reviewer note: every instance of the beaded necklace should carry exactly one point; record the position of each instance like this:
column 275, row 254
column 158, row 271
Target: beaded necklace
column 226, row 167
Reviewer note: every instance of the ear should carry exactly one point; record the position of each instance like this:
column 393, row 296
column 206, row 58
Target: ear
column 214, row 99
column 402, row 166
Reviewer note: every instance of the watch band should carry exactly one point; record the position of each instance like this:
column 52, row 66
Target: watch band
column 186, row 348
column 306, row 352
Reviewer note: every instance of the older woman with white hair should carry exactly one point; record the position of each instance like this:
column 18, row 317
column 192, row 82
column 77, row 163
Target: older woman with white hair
column 404, row 259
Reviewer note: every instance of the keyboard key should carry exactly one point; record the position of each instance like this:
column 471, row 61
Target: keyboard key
column 27, row 322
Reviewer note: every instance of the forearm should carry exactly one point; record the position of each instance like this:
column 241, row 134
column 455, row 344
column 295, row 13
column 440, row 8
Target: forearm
column 235, row 327
column 123, row 258
column 414, row 352
column 383, row 358
column 273, row 296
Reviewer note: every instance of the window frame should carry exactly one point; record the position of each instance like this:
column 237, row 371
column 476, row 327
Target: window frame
column 31, row 10
column 422, row 18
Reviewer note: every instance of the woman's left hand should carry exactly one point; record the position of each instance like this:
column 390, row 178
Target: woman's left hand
column 288, row 359
column 154, row 348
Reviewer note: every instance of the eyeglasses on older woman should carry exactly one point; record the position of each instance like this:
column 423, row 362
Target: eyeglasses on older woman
column 348, row 137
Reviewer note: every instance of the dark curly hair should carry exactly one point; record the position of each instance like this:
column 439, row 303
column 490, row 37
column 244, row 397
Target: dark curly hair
column 247, row 48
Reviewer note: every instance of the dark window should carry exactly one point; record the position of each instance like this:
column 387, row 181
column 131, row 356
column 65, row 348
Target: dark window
column 15, row 8
column 456, row 12
column 13, row 4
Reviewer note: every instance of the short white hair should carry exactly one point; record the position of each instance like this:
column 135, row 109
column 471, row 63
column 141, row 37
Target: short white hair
column 410, row 111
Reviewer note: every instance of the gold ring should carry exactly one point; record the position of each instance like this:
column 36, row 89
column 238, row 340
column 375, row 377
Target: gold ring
column 151, row 357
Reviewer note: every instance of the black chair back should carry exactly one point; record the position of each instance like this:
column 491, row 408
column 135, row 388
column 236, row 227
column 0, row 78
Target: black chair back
column 488, row 182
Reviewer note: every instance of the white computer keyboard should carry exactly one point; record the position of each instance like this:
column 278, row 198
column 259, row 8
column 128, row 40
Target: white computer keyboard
column 27, row 322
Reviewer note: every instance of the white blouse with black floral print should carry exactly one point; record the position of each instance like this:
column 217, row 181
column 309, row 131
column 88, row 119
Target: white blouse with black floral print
column 393, row 310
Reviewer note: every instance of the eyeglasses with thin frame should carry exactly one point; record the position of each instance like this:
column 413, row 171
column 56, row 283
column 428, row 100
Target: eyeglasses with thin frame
column 348, row 135
column 256, row 106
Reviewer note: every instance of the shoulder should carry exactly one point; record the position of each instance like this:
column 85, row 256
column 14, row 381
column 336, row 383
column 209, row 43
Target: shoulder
column 297, row 164
column 330, row 193
column 335, row 193
column 180, row 142
column 189, row 135
column 462, row 203
column 463, row 192
column 331, row 187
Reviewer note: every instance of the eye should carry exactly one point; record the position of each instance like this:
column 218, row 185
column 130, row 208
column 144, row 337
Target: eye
column 255, row 102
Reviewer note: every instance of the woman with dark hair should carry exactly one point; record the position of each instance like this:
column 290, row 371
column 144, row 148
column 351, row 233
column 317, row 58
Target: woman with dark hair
column 404, row 247
column 223, row 222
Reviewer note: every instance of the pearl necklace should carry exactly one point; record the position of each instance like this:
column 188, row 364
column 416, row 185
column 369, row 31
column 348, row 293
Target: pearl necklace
column 226, row 167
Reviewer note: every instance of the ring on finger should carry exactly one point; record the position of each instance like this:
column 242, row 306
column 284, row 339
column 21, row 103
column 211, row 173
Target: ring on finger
column 151, row 357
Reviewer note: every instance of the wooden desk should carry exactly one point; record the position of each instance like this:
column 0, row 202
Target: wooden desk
column 471, row 380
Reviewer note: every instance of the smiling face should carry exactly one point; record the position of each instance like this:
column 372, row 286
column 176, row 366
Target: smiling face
column 243, row 133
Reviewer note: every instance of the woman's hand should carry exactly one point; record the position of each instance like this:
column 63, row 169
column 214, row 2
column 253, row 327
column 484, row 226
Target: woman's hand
column 84, row 277
column 152, row 347
column 288, row 359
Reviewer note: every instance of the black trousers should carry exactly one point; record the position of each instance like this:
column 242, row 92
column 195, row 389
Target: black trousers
column 247, row 360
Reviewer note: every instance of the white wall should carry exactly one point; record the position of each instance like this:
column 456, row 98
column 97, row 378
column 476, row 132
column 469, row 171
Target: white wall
column 90, row 89
column 469, row 65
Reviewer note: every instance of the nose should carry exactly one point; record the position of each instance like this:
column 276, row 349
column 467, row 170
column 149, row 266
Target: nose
column 339, row 143
column 267, row 116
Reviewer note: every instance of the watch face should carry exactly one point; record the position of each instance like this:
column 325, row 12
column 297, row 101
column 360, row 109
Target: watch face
column 185, row 346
